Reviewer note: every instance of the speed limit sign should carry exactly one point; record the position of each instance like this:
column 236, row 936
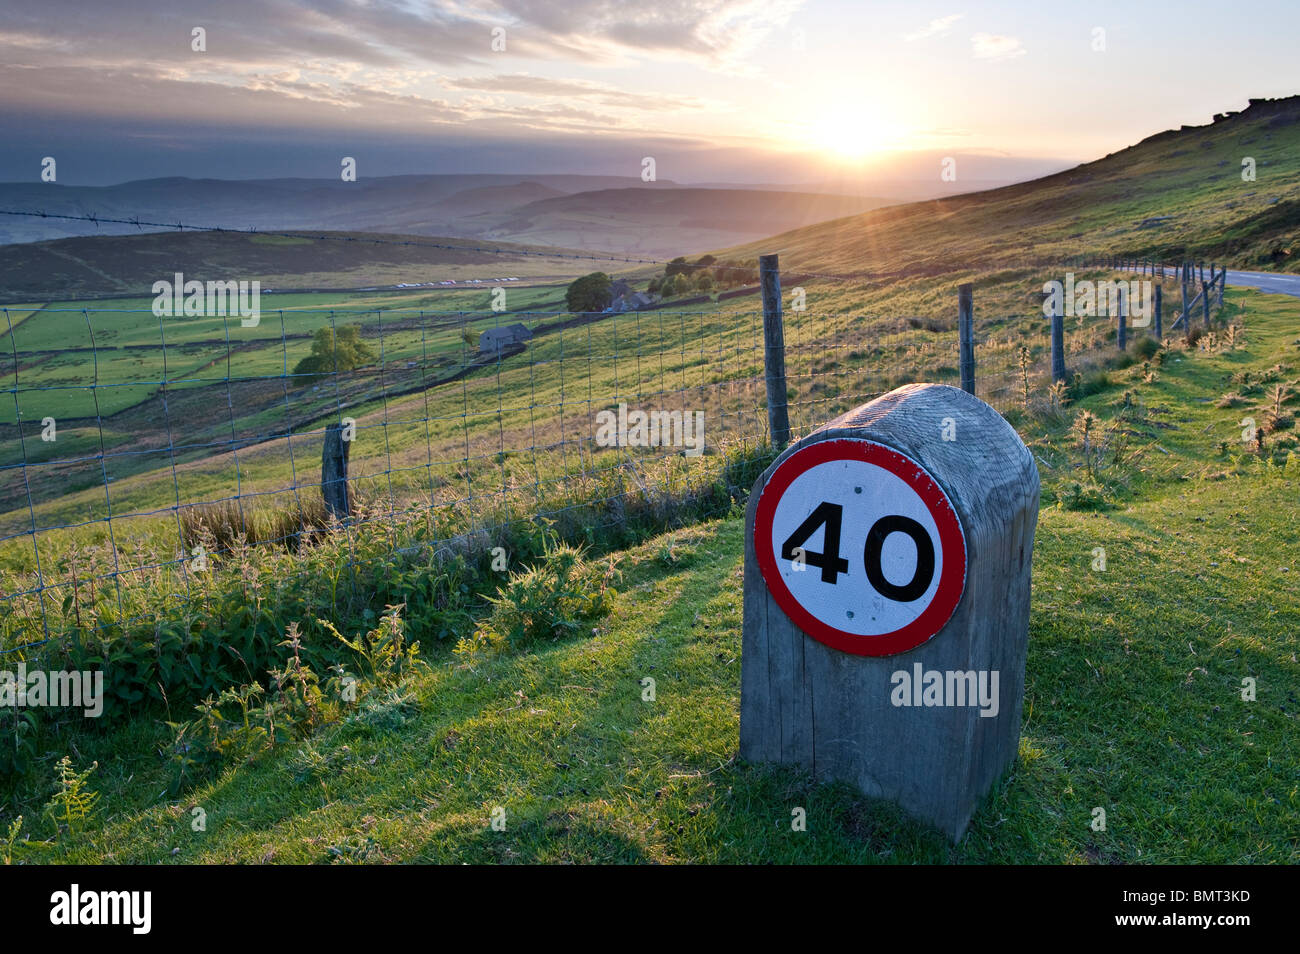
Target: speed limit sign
column 860, row 547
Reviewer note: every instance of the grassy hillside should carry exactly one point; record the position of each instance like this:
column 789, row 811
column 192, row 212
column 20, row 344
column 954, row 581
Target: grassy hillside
column 664, row 223
column 130, row 264
column 1133, row 693
column 1179, row 193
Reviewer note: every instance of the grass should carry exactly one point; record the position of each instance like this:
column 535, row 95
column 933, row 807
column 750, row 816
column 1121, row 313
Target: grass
column 503, row 435
column 1133, row 694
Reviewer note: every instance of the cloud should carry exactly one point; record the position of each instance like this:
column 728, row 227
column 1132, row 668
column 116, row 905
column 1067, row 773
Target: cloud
column 992, row 46
column 298, row 61
column 525, row 84
column 938, row 27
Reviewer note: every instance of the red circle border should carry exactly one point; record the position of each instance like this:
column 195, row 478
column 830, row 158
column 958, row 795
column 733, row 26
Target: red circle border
column 952, row 540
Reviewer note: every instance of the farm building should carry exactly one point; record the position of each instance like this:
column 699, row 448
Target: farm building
column 495, row 340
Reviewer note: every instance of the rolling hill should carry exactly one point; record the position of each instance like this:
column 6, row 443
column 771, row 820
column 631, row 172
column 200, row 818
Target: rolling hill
column 622, row 214
column 1177, row 193
column 112, row 266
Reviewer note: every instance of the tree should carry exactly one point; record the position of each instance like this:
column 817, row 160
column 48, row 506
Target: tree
column 589, row 293
column 675, row 286
column 677, row 266
column 332, row 352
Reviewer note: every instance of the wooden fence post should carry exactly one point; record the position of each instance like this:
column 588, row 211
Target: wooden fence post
column 1159, row 303
column 1183, row 313
column 778, row 413
column 910, row 689
column 334, row 472
column 1205, row 303
column 1058, row 343
column 1122, row 336
column 966, row 335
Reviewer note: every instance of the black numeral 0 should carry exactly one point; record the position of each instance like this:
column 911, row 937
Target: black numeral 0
column 921, row 577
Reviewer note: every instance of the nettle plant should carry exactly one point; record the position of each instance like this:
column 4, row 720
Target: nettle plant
column 74, row 801
column 556, row 598
column 242, row 723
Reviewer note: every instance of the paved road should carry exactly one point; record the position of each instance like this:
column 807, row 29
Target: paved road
column 1266, row 281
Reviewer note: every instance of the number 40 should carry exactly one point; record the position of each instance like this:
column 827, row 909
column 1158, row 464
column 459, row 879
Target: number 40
column 829, row 561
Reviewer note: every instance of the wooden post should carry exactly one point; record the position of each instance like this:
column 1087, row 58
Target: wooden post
column 1159, row 304
column 966, row 335
column 1122, row 335
column 826, row 683
column 1183, row 312
column 1205, row 302
column 778, row 414
column 1058, row 343
column 334, row 472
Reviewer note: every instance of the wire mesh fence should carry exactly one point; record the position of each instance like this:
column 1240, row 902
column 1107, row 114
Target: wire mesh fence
column 140, row 455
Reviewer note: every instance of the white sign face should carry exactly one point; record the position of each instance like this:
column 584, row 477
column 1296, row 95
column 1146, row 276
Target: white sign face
column 860, row 547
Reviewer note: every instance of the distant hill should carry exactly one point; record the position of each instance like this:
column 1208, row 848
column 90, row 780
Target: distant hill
column 383, row 204
column 596, row 212
column 664, row 222
column 129, row 264
column 1176, row 193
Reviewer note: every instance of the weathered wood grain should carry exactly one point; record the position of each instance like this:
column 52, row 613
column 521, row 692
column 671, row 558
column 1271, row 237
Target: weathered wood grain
column 778, row 415
column 806, row 704
column 334, row 472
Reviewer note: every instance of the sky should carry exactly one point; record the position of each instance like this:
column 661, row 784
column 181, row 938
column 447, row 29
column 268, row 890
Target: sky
column 713, row 90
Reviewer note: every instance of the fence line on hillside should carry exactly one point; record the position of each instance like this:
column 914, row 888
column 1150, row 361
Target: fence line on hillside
column 139, row 464
column 1186, row 271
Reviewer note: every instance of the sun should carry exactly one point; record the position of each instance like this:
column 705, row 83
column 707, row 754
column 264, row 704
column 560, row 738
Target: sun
column 851, row 132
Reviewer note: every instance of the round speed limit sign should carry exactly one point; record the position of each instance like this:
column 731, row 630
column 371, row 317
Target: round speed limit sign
column 860, row 547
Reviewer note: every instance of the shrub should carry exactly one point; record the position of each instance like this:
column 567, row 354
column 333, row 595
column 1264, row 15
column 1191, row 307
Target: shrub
column 591, row 292
column 333, row 351
column 1082, row 495
column 555, row 598
column 1146, row 348
column 1091, row 382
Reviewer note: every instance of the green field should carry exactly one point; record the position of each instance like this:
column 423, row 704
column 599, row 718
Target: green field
column 1133, row 696
column 233, row 424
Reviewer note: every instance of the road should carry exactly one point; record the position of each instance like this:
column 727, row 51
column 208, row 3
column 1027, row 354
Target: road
column 1274, row 282
column 1267, row 281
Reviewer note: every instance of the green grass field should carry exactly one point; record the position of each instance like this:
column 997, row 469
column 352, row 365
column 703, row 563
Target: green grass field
column 518, row 432
column 1133, row 697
